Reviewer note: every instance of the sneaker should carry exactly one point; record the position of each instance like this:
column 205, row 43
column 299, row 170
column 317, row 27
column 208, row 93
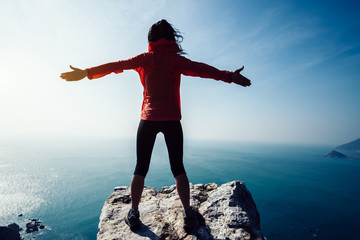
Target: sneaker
column 133, row 219
column 190, row 220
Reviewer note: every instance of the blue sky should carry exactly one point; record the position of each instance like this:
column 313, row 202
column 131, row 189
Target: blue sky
column 302, row 56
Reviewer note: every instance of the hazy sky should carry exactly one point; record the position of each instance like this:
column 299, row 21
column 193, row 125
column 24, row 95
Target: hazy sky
column 303, row 58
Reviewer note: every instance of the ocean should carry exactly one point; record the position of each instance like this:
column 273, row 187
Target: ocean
column 299, row 193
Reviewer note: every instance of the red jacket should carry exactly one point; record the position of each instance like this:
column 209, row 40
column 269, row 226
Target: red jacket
column 160, row 71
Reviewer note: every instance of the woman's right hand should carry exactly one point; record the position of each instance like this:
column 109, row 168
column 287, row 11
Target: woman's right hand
column 240, row 79
column 75, row 75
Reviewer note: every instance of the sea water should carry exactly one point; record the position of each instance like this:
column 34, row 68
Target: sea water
column 299, row 193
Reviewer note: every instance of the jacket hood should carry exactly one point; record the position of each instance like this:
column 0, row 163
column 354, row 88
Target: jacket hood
column 163, row 45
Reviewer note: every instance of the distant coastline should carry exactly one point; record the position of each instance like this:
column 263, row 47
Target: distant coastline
column 350, row 150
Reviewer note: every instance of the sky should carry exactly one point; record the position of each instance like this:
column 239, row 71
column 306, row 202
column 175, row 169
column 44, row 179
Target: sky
column 303, row 58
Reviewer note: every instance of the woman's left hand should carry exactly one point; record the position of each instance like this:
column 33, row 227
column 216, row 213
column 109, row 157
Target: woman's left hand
column 240, row 79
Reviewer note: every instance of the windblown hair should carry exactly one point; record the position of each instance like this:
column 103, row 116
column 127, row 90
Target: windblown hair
column 163, row 29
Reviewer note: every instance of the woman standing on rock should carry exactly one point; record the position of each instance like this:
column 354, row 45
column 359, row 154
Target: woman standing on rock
column 160, row 71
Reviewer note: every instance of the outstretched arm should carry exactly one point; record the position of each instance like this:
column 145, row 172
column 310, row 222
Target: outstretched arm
column 75, row 75
column 198, row 69
column 240, row 79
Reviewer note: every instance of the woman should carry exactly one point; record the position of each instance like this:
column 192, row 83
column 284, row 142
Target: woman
column 159, row 71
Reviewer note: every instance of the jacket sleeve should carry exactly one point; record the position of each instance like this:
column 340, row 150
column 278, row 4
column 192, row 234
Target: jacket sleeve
column 198, row 69
column 116, row 67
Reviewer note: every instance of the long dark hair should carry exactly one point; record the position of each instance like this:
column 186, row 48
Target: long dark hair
column 163, row 29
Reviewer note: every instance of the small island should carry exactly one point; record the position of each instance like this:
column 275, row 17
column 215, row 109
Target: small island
column 336, row 154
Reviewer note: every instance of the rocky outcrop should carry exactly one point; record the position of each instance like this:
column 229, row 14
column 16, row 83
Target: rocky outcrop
column 226, row 212
column 34, row 225
column 10, row 232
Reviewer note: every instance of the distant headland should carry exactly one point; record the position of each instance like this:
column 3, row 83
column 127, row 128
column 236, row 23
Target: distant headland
column 350, row 150
column 350, row 146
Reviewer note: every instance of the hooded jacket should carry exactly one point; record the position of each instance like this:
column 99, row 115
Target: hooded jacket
column 160, row 70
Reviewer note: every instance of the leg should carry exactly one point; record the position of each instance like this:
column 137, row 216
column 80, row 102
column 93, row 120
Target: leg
column 145, row 140
column 182, row 186
column 174, row 142
column 132, row 218
column 137, row 185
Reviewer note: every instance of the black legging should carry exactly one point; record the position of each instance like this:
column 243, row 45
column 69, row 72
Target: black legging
column 146, row 136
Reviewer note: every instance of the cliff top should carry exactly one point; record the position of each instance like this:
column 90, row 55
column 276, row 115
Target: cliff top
column 226, row 212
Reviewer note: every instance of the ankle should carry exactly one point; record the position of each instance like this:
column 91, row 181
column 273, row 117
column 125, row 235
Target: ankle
column 190, row 212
